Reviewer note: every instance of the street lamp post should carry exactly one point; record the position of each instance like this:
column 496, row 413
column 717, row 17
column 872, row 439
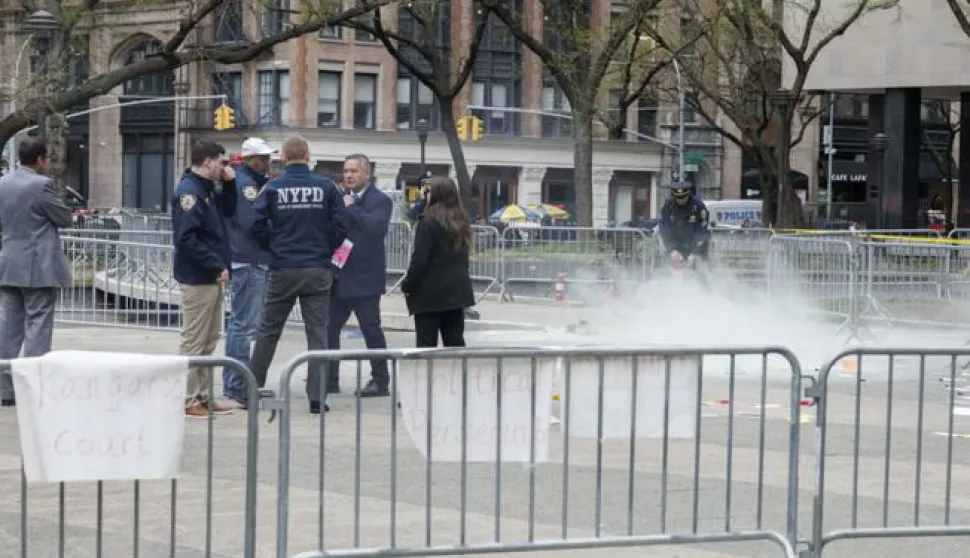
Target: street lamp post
column 879, row 143
column 422, row 128
column 44, row 27
column 681, row 102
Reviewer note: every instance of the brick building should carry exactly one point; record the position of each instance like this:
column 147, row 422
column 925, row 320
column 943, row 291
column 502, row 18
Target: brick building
column 344, row 93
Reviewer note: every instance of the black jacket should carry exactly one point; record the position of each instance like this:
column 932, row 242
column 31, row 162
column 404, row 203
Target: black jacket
column 685, row 228
column 245, row 246
column 199, row 233
column 296, row 218
column 437, row 278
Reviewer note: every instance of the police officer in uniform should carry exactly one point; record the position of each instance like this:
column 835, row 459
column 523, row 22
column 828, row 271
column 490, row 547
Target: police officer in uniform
column 201, row 262
column 684, row 225
column 296, row 218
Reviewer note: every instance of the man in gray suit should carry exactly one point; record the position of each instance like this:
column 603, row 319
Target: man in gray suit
column 32, row 265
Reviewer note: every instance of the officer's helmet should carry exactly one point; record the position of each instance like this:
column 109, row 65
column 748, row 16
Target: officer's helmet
column 680, row 191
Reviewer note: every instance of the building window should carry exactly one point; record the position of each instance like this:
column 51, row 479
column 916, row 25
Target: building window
column 935, row 112
column 647, row 116
column 851, row 107
column 690, row 111
column 617, row 114
column 332, row 33
column 555, row 102
column 415, row 101
column 151, row 85
column 274, row 97
column 365, row 101
column 361, row 36
column 328, row 99
column 274, row 17
column 497, row 82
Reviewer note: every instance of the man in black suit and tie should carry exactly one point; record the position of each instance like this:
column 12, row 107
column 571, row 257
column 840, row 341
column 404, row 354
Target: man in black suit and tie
column 363, row 279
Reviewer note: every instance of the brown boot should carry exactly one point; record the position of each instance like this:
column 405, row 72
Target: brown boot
column 196, row 411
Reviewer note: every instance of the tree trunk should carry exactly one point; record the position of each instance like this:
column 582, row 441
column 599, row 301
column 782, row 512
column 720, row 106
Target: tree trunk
column 789, row 211
column 583, row 166
column 450, row 131
column 56, row 133
column 769, row 201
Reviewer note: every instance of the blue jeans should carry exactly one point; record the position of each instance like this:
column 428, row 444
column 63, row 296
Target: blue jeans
column 246, row 288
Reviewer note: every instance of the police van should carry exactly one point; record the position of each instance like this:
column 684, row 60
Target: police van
column 734, row 213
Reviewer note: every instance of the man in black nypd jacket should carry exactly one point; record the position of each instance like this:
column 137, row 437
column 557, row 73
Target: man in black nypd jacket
column 684, row 225
column 201, row 262
column 249, row 264
column 296, row 217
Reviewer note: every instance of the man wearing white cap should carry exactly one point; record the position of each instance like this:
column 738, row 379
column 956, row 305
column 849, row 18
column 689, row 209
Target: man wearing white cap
column 249, row 265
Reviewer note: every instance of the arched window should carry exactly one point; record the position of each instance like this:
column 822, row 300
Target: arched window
column 152, row 85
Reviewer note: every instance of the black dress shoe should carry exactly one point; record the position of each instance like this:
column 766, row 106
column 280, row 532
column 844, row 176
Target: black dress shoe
column 315, row 408
column 373, row 389
column 8, row 403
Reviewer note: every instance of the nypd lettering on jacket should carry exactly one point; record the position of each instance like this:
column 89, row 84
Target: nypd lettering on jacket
column 296, row 218
column 300, row 197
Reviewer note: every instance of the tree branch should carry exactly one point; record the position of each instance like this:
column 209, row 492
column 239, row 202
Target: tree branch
column 170, row 60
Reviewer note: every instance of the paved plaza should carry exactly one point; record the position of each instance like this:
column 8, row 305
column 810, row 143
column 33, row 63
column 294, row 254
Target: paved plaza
column 361, row 493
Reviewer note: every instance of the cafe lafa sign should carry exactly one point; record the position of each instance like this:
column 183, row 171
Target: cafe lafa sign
column 87, row 416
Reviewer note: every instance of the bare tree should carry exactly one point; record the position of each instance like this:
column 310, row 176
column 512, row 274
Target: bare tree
column 737, row 72
column 418, row 46
column 579, row 59
column 636, row 66
column 53, row 93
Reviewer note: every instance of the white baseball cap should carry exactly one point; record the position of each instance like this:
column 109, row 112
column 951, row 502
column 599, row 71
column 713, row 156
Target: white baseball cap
column 256, row 146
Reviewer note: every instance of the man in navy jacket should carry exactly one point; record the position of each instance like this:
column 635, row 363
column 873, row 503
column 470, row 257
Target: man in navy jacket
column 297, row 220
column 363, row 279
column 249, row 264
column 201, row 262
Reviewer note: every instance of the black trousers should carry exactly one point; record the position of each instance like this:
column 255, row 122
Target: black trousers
column 368, row 312
column 283, row 288
column 450, row 324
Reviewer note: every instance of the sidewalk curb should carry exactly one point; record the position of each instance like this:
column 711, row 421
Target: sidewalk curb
column 403, row 322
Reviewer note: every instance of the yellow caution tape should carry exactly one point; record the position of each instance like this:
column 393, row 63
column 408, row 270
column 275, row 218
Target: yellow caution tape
column 886, row 237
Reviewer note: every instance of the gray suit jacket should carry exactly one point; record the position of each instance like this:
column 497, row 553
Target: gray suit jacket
column 30, row 214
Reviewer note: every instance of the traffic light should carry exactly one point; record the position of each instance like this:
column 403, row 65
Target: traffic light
column 225, row 118
column 477, row 128
column 462, row 127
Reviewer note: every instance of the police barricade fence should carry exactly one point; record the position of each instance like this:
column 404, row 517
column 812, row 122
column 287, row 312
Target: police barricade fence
column 482, row 450
column 866, row 280
column 595, row 262
column 890, row 452
column 741, row 252
column 109, row 468
column 504, row 450
column 485, row 260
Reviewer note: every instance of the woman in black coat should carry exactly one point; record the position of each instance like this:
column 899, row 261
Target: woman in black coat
column 437, row 285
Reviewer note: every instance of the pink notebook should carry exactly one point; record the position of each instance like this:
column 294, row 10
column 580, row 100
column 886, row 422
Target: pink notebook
column 341, row 254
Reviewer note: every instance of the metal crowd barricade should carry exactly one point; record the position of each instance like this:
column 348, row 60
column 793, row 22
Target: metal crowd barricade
column 821, row 273
column 897, row 456
column 397, row 246
column 742, row 252
column 210, row 510
column 465, row 457
column 119, row 283
column 591, row 259
column 485, row 265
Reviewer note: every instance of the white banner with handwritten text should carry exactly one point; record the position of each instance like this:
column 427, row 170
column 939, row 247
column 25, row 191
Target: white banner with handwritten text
column 87, row 416
column 486, row 430
column 627, row 388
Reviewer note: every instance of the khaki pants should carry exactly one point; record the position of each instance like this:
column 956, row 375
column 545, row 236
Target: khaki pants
column 201, row 328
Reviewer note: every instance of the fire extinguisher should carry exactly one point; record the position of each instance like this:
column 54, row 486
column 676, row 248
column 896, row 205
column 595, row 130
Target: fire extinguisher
column 559, row 287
